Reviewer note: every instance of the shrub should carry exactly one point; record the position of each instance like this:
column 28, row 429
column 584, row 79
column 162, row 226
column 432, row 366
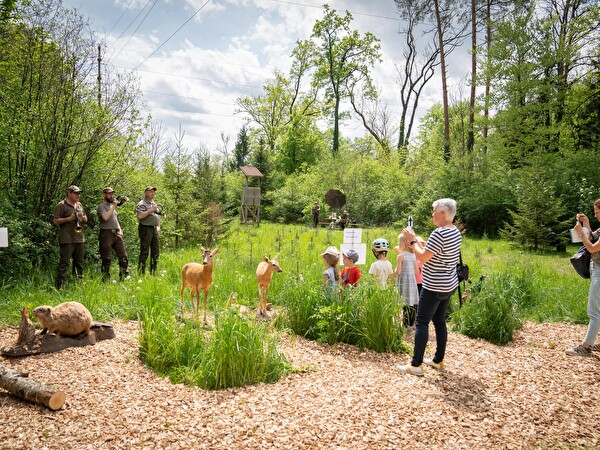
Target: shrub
column 489, row 314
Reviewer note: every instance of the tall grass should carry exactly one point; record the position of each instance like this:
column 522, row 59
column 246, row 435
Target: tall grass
column 236, row 352
column 490, row 313
column 366, row 315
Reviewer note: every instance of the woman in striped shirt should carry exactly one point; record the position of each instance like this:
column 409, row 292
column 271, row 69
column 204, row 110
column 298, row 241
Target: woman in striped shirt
column 439, row 257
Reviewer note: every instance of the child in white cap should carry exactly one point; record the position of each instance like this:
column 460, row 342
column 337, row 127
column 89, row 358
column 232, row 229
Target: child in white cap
column 331, row 276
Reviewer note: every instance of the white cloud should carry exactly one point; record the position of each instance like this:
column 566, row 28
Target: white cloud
column 229, row 49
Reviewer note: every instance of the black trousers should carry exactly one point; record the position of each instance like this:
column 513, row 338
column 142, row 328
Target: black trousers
column 149, row 244
column 68, row 252
column 109, row 241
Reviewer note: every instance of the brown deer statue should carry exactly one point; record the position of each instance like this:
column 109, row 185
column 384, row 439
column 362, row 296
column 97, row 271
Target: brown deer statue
column 199, row 278
column 264, row 274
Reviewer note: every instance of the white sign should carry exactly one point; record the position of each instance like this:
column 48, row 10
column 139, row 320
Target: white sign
column 361, row 249
column 352, row 235
column 3, row 237
column 575, row 236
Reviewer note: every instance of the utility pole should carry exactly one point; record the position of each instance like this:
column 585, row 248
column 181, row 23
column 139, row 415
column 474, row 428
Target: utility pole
column 99, row 77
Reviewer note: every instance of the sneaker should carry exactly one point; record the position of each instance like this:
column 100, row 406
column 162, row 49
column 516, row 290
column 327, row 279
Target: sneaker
column 580, row 350
column 437, row 366
column 418, row 371
column 595, row 347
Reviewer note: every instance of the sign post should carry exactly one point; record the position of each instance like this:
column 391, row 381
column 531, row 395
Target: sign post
column 3, row 237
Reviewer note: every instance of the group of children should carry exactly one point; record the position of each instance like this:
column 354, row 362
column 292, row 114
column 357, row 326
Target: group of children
column 407, row 275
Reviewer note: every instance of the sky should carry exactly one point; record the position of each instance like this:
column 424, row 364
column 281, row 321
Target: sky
column 194, row 58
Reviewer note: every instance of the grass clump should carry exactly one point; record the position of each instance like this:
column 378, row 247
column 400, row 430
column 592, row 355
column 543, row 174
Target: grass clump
column 490, row 313
column 237, row 352
column 366, row 315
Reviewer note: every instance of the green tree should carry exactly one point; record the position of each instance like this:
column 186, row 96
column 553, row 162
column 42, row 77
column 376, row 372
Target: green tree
column 178, row 183
column 205, row 181
column 539, row 211
column 343, row 61
column 241, row 150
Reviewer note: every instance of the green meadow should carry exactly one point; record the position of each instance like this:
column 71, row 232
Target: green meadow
column 508, row 286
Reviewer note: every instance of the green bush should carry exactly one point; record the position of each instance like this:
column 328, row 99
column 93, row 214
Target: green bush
column 490, row 313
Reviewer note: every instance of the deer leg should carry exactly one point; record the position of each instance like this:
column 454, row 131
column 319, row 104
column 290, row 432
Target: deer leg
column 205, row 303
column 260, row 297
column 194, row 304
column 182, row 306
column 265, row 299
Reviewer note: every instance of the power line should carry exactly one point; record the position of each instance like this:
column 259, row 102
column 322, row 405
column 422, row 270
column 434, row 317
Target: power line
column 174, row 33
column 121, row 16
column 354, row 13
column 138, row 27
column 227, row 83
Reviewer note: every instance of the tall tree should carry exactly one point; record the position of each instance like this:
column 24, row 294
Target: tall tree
column 413, row 74
column 51, row 126
column 343, row 61
column 205, row 178
column 178, row 182
column 241, row 150
column 450, row 32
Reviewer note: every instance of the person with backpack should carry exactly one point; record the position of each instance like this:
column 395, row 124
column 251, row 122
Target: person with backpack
column 582, row 228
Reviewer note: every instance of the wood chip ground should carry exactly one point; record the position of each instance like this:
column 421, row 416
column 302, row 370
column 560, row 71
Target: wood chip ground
column 528, row 394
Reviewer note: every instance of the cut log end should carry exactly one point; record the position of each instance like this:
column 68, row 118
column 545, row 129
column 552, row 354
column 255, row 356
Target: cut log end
column 57, row 400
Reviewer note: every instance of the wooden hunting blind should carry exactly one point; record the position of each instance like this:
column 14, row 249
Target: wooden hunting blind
column 251, row 196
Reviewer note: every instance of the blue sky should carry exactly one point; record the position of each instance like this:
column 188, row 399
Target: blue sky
column 195, row 57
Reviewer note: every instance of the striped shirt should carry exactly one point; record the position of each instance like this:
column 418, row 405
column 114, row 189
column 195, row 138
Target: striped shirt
column 439, row 273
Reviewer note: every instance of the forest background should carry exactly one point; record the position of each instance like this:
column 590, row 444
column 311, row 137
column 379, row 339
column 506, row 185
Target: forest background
column 521, row 159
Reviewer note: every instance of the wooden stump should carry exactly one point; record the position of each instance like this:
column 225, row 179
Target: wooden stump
column 30, row 343
column 22, row 386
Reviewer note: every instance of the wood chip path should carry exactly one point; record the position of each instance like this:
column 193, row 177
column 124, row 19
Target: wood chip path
column 528, row 394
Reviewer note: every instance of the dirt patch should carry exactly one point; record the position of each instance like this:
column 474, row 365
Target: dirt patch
column 528, row 394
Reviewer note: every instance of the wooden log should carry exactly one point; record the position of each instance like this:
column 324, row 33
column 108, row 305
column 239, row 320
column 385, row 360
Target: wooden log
column 22, row 386
column 48, row 343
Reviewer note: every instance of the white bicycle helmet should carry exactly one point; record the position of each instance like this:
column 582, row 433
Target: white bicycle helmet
column 380, row 245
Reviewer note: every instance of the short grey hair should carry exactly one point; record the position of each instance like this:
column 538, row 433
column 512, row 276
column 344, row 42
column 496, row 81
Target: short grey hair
column 446, row 204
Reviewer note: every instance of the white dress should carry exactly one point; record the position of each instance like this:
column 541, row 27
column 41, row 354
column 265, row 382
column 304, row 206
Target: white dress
column 406, row 282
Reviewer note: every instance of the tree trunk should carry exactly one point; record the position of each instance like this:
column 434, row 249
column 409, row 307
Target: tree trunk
column 440, row 28
column 488, row 45
column 19, row 384
column 471, row 135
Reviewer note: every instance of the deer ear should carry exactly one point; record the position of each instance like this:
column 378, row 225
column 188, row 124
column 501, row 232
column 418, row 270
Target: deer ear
column 216, row 250
column 266, row 258
column 201, row 249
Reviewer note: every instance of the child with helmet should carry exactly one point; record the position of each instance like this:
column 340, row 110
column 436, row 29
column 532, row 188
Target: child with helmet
column 381, row 269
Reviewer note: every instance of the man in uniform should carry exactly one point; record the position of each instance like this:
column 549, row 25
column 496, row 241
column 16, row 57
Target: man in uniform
column 148, row 229
column 70, row 217
column 111, row 235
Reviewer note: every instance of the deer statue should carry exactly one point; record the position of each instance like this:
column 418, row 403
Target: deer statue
column 264, row 274
column 199, row 278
